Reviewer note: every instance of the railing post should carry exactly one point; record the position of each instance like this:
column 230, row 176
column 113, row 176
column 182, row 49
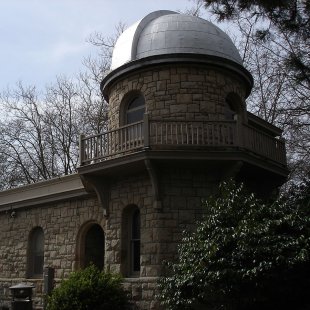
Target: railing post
column 282, row 151
column 239, row 131
column 146, row 130
column 82, row 149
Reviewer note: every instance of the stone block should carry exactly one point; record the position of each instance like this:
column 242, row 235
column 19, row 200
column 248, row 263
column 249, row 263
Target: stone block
column 184, row 98
column 164, row 75
column 161, row 85
column 175, row 78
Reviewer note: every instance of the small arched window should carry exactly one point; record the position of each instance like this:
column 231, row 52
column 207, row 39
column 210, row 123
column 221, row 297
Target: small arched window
column 94, row 247
column 36, row 253
column 229, row 110
column 135, row 109
column 233, row 106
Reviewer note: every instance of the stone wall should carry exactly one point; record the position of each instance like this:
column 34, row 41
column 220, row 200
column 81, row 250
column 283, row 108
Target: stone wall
column 179, row 92
column 183, row 92
column 181, row 192
column 60, row 222
column 161, row 229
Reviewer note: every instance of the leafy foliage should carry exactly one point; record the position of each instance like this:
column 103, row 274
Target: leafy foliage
column 89, row 289
column 245, row 254
column 292, row 15
column 299, row 195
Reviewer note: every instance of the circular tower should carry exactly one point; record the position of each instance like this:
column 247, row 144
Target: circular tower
column 178, row 126
column 183, row 67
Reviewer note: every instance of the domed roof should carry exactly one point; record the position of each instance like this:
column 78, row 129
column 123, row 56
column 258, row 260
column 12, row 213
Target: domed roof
column 166, row 33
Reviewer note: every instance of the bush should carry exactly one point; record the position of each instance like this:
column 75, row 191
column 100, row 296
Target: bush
column 89, row 289
column 245, row 254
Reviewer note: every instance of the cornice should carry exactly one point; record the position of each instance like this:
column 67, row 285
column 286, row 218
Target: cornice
column 43, row 192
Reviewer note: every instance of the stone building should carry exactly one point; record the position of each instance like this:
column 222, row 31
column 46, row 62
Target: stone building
column 178, row 125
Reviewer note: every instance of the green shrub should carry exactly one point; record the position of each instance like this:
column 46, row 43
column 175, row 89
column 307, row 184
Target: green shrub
column 245, row 254
column 89, row 289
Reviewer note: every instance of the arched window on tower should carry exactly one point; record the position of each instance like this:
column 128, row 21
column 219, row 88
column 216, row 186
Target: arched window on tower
column 233, row 106
column 135, row 109
column 229, row 110
column 35, row 253
column 131, row 116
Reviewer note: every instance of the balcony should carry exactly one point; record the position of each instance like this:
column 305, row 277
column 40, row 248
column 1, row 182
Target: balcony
column 167, row 135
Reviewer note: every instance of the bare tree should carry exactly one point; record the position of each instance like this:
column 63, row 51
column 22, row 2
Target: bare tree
column 278, row 96
column 39, row 131
column 62, row 122
column 195, row 9
column 22, row 140
column 98, row 65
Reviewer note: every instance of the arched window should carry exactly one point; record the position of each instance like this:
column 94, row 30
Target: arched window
column 135, row 242
column 131, row 231
column 94, row 247
column 229, row 110
column 135, row 109
column 233, row 106
column 36, row 253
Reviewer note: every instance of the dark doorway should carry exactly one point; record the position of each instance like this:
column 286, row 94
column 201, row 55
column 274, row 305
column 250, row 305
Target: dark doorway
column 94, row 247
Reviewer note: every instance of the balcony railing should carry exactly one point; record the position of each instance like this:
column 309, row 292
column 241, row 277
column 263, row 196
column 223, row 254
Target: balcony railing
column 156, row 134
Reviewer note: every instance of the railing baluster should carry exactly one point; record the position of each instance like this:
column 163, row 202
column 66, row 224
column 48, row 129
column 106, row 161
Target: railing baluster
column 192, row 133
column 113, row 141
column 182, row 136
column 186, row 133
column 125, row 139
column 202, row 134
column 91, row 149
column 81, row 150
column 135, row 138
column 108, row 143
column 122, row 141
column 197, row 138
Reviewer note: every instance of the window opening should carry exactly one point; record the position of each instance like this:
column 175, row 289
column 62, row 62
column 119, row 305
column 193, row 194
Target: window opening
column 36, row 248
column 135, row 110
column 94, row 247
column 229, row 110
column 135, row 242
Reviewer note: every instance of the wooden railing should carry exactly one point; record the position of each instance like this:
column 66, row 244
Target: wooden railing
column 216, row 133
column 262, row 144
column 157, row 134
column 111, row 143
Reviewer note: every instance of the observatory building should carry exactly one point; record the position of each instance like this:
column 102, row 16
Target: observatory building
column 178, row 126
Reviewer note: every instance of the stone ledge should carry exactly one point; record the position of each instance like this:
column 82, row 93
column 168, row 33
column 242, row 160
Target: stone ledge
column 141, row 280
column 61, row 188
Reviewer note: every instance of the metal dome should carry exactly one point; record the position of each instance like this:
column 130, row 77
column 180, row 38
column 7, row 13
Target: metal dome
column 168, row 33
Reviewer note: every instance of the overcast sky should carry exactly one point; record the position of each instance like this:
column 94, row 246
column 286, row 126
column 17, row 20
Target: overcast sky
column 44, row 38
